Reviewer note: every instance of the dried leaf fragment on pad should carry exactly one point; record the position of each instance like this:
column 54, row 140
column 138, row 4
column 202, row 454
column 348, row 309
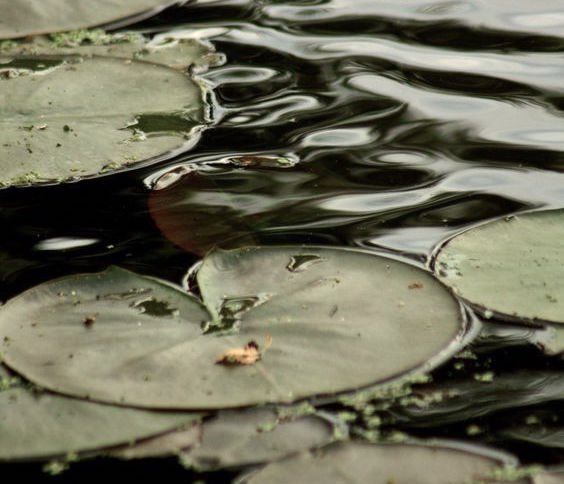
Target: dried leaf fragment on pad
column 248, row 355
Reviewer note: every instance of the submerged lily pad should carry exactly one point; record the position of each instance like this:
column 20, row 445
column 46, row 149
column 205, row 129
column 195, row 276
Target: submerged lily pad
column 510, row 268
column 356, row 462
column 30, row 17
column 37, row 425
column 338, row 319
column 66, row 119
column 550, row 437
column 245, row 437
column 460, row 401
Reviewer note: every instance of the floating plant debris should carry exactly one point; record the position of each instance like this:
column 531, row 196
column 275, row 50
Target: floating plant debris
column 511, row 267
column 30, row 17
column 248, row 355
column 168, row 360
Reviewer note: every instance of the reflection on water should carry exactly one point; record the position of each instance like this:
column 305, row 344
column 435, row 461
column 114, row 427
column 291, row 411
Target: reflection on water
column 378, row 124
column 403, row 137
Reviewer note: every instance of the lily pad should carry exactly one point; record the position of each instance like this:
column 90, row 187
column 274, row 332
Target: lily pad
column 510, row 268
column 246, row 437
column 162, row 445
column 42, row 425
column 356, row 462
column 338, row 319
column 168, row 49
column 30, row 17
column 65, row 118
column 549, row 477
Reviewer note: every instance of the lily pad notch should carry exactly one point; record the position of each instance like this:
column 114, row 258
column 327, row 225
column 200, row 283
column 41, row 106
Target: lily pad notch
column 348, row 321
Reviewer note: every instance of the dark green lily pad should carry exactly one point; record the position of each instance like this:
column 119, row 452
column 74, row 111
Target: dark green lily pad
column 339, row 320
column 30, row 17
column 510, row 268
column 65, row 118
column 356, row 462
column 245, row 437
column 42, row 425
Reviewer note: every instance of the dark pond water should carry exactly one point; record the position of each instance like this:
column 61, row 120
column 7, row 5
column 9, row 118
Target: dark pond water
column 384, row 125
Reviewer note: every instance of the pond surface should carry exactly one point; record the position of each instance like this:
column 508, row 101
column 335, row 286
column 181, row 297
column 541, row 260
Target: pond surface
column 350, row 123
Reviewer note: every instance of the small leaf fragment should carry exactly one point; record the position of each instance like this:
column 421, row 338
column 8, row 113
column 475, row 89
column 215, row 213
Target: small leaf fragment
column 248, row 355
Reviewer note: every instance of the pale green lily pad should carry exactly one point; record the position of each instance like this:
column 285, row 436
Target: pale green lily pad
column 23, row 18
column 245, row 437
column 66, row 118
column 42, row 425
column 511, row 268
column 356, row 462
column 168, row 49
column 340, row 320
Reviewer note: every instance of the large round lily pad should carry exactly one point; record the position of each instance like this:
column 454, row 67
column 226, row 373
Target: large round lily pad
column 512, row 268
column 22, row 18
column 356, row 462
column 336, row 319
column 41, row 425
column 65, row 118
